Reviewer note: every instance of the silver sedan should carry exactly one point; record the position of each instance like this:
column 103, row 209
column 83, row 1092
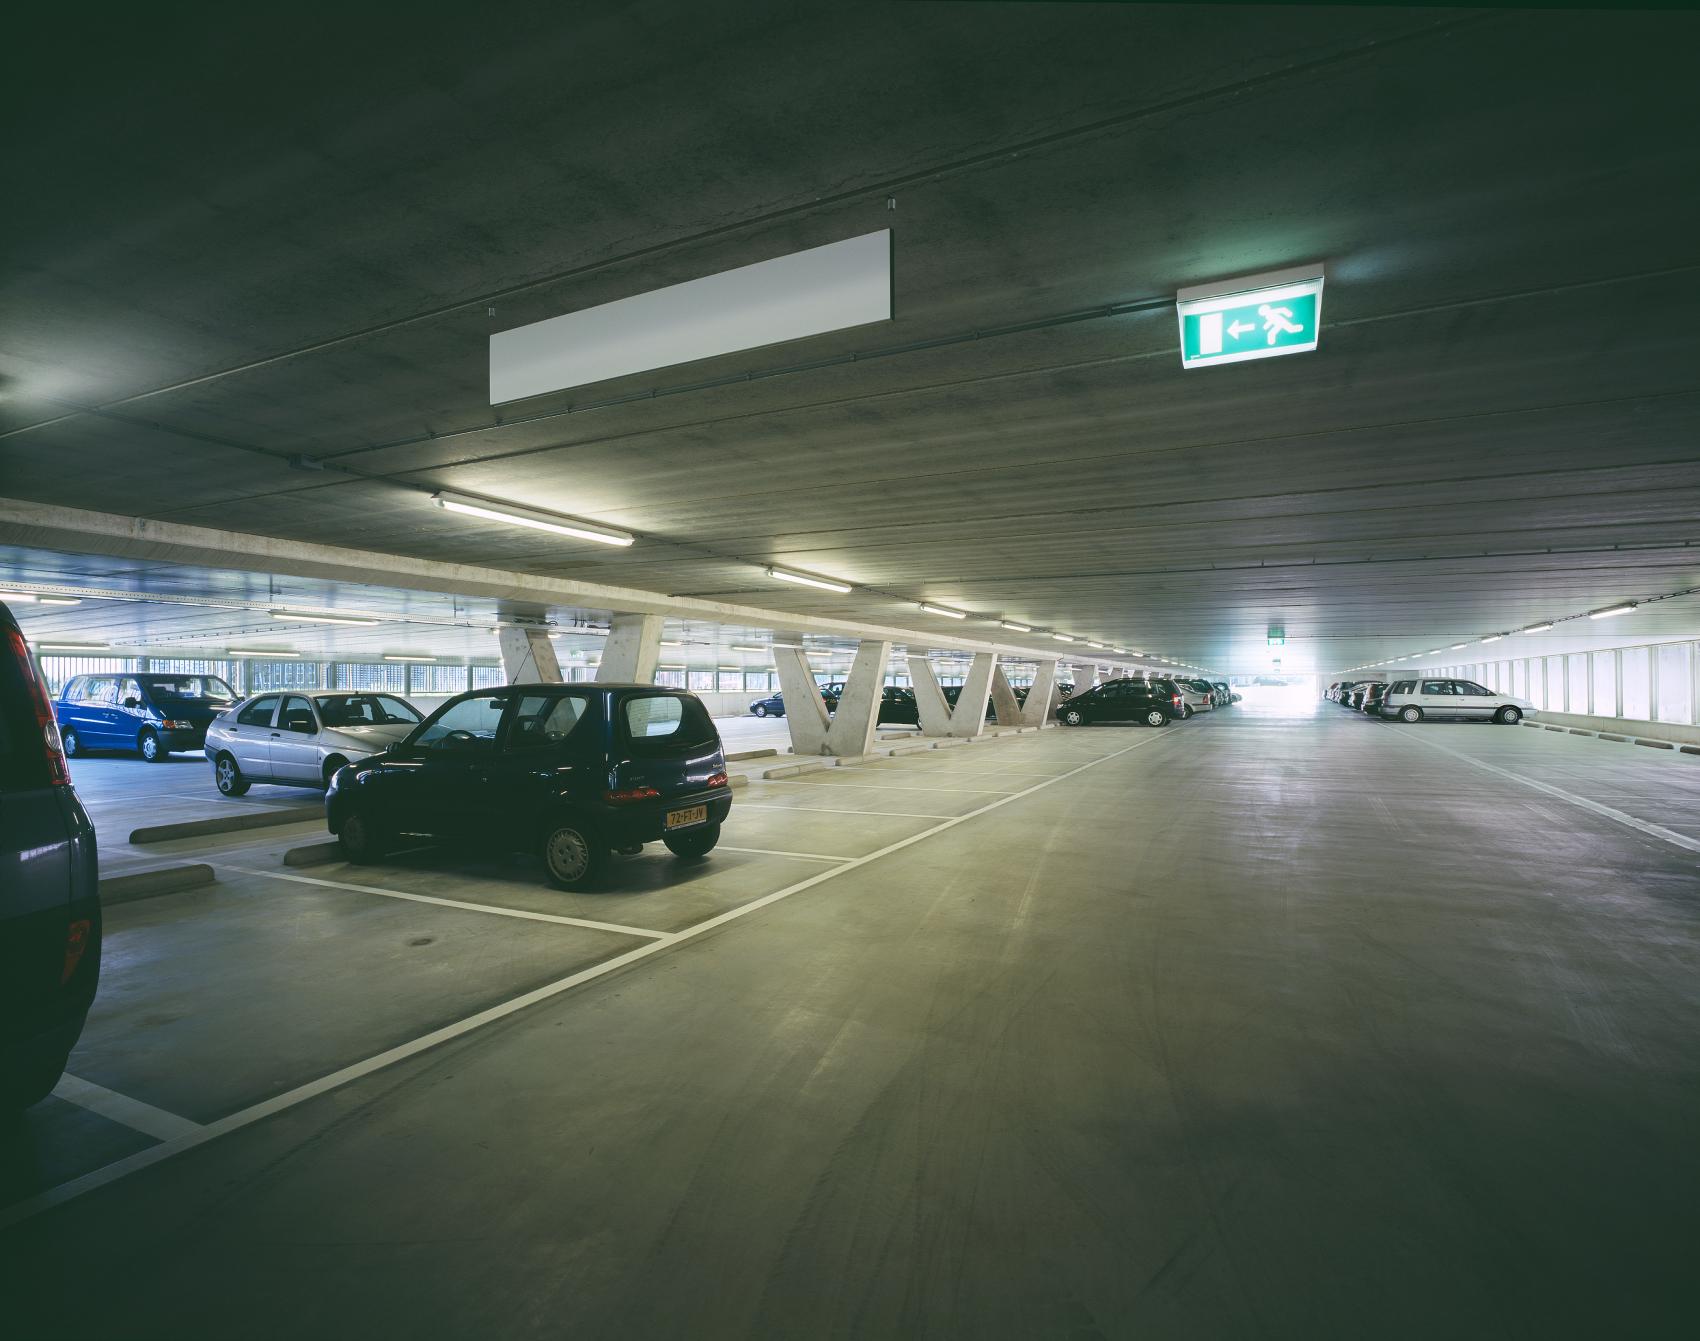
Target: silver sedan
column 300, row 737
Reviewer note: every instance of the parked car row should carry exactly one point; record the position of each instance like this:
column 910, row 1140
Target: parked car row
column 1155, row 702
column 1429, row 696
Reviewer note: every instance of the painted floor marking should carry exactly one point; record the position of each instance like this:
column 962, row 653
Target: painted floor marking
column 871, row 787
column 1652, row 830
column 774, row 852
column 55, row 1196
column 495, row 909
column 744, row 806
column 122, row 1109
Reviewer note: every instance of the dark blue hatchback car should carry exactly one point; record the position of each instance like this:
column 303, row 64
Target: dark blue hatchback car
column 150, row 715
column 571, row 772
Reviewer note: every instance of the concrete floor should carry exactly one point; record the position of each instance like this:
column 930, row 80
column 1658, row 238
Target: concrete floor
column 1260, row 1025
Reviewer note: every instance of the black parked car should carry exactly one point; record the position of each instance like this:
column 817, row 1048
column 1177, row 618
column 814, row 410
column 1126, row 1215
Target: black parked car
column 771, row 706
column 1374, row 692
column 1154, row 702
column 571, row 772
column 49, row 887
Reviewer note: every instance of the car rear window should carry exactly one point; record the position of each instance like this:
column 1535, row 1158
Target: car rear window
column 665, row 722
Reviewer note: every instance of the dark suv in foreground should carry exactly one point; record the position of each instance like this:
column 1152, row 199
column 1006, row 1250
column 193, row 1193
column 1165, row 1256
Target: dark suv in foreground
column 1154, row 702
column 49, row 887
column 571, row 772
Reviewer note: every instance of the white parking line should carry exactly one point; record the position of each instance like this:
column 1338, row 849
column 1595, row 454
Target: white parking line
column 495, row 909
column 774, row 852
column 76, row 1187
column 128, row 1112
column 871, row 787
column 746, row 806
column 1652, row 830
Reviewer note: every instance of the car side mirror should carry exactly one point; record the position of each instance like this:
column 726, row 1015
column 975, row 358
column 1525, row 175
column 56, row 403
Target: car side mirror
column 303, row 728
column 132, row 703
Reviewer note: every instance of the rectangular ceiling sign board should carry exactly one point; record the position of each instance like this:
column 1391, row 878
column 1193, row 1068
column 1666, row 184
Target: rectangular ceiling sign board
column 828, row 288
column 1253, row 317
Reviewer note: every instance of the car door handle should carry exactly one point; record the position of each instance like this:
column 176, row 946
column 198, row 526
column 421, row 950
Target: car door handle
column 276, row 734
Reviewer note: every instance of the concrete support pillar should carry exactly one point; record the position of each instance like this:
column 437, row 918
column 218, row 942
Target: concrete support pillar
column 632, row 651
column 938, row 718
column 528, row 657
column 850, row 730
column 1005, row 710
column 1042, row 696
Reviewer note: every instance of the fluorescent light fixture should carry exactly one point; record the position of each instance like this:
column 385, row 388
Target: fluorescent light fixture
column 664, row 642
column 388, row 657
column 777, row 643
column 1611, row 610
column 1102, row 647
column 298, row 618
column 943, row 610
column 30, row 598
column 1252, row 317
column 261, row 652
column 59, row 600
column 1014, row 627
column 533, row 520
column 805, row 580
column 1536, row 628
column 1453, row 648
column 827, row 288
column 747, row 647
column 1493, row 638
column 72, row 647
column 1061, row 638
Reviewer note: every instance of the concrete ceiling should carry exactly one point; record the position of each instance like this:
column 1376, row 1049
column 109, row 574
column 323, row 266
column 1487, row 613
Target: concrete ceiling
column 246, row 243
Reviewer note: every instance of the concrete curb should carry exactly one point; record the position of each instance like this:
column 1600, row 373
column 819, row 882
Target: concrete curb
column 897, row 750
column 1689, row 749
column 1607, row 736
column 150, row 884
column 737, row 780
column 792, row 770
column 1656, row 744
column 313, row 854
column 253, row 819
column 1578, row 731
column 948, row 742
column 741, row 755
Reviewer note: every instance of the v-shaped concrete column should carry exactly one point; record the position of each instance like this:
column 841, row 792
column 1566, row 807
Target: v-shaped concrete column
column 1041, row 696
column 938, row 718
column 632, row 651
column 528, row 657
column 1005, row 710
column 850, row 730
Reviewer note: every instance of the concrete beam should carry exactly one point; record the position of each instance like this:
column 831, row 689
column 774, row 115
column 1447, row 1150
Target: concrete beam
column 84, row 531
column 857, row 716
column 1005, row 710
column 1041, row 696
column 805, row 713
column 528, row 657
column 632, row 651
column 930, row 703
column 938, row 718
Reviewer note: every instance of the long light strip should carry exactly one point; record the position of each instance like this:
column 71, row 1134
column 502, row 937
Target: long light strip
column 388, row 657
column 1061, row 638
column 1536, row 628
column 1611, row 610
column 30, row 597
column 296, row 618
column 536, row 521
column 804, row 580
column 260, row 652
column 72, row 647
column 943, row 610
column 1492, row 638
column 1015, row 628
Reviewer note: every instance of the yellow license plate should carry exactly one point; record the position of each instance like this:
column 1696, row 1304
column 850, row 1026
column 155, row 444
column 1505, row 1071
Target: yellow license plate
column 682, row 819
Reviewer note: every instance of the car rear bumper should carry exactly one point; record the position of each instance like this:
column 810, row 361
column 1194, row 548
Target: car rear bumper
column 626, row 826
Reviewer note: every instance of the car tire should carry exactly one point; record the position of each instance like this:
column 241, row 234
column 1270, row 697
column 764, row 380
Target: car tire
column 363, row 842
column 693, row 842
column 1156, row 717
column 1410, row 713
column 72, row 743
column 1073, row 717
column 151, row 747
column 573, row 856
column 332, row 764
column 758, row 711
column 227, row 777
column 29, row 1081
column 1508, row 716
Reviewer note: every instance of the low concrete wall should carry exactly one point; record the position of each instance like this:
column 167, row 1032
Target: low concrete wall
column 1622, row 726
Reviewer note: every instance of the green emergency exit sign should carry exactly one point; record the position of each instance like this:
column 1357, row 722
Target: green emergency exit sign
column 1253, row 317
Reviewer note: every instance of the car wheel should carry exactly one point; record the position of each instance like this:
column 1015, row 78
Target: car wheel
column 693, row 842
column 1074, row 717
column 759, row 711
column 1156, row 717
column 28, row 1081
column 1410, row 714
column 572, row 854
column 332, row 764
column 1508, row 716
column 363, row 842
column 73, row 746
column 152, row 747
column 227, row 777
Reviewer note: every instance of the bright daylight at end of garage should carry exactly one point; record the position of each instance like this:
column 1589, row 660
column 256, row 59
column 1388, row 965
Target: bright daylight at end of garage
column 960, row 670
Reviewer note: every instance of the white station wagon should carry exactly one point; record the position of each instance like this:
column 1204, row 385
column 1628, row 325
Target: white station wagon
column 1413, row 700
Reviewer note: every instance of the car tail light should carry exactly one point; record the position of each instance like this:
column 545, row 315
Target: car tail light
column 717, row 780
column 626, row 795
column 53, row 752
column 76, row 941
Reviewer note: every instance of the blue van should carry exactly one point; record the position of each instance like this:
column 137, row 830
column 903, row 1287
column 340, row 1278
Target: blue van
column 151, row 715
